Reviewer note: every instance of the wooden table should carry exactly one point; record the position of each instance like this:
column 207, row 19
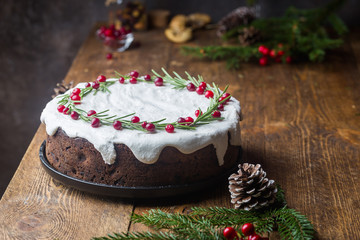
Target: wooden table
column 301, row 122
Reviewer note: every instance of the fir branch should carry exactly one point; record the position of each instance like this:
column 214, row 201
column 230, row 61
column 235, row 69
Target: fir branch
column 140, row 235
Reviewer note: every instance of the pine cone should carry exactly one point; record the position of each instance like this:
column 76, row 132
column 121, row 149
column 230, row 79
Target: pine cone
column 239, row 16
column 248, row 36
column 250, row 189
column 62, row 88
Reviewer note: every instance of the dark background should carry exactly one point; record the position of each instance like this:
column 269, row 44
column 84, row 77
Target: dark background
column 40, row 38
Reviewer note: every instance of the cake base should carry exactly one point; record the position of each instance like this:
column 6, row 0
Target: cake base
column 134, row 192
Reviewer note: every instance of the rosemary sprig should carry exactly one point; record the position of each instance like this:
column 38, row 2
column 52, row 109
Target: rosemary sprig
column 177, row 81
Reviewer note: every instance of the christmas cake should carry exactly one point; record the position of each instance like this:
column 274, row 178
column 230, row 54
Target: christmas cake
column 133, row 130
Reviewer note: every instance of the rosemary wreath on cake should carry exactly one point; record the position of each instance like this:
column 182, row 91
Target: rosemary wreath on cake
column 69, row 103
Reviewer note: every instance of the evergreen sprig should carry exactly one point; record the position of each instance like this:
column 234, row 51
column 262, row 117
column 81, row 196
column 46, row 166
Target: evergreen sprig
column 208, row 223
column 302, row 34
column 177, row 81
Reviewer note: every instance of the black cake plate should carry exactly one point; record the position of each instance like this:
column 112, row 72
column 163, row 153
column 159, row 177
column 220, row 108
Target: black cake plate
column 131, row 192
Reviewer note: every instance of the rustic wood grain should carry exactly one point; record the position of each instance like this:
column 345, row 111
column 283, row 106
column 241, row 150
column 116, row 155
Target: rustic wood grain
column 301, row 122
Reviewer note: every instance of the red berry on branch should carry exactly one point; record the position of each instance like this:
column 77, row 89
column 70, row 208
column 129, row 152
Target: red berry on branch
column 203, row 85
column 197, row 113
column 229, row 233
column 225, row 95
column 135, row 119
column 280, row 53
column 263, row 50
column 158, row 81
column 216, row 114
column 134, row 74
column 263, row 61
column 169, row 128
column 133, row 80
column 74, row 115
column 147, row 77
column 272, row 53
column 121, row 80
column 191, row 87
column 189, row 120
column 61, row 108
column 95, row 122
column 91, row 112
column 144, row 124
column 288, row 59
column 101, row 78
column 200, row 90
column 109, row 56
column 95, row 85
column 76, row 98
column 150, row 127
column 255, row 237
column 76, row 91
column 66, row 111
column 248, row 229
column 209, row 94
column 220, row 107
column 117, row 125
column 181, row 120
column 87, row 85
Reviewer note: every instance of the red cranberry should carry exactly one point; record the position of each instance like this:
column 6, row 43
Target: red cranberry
column 134, row 74
column 158, row 81
column 272, row 53
column 209, row 94
column 263, row 50
column 181, row 120
column 76, row 91
column 121, row 80
column 248, row 229
column 91, row 112
column 197, row 113
column 95, row 122
column 203, row 85
column 222, row 99
column 135, row 119
column 225, row 95
column 87, row 85
column 74, row 115
column 150, row 127
column 229, row 233
column 66, row 111
column 216, row 114
column 101, row 78
column 147, row 77
column 76, row 98
column 109, row 33
column 144, row 124
column 109, row 56
column 220, row 107
column 191, row 87
column 200, row 90
column 288, row 59
column 263, row 61
column 95, row 85
column 280, row 53
column 117, row 125
column 169, row 128
column 189, row 120
column 61, row 108
column 255, row 237
column 133, row 80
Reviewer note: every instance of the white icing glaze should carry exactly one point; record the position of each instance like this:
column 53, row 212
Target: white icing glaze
column 150, row 103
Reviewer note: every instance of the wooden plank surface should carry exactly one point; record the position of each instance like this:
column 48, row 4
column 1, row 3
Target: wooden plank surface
column 301, row 122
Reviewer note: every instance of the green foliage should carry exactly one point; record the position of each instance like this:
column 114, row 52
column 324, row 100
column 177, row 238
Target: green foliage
column 208, row 223
column 303, row 34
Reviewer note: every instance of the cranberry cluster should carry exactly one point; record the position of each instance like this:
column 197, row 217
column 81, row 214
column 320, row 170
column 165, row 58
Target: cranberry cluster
column 247, row 229
column 111, row 36
column 277, row 54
